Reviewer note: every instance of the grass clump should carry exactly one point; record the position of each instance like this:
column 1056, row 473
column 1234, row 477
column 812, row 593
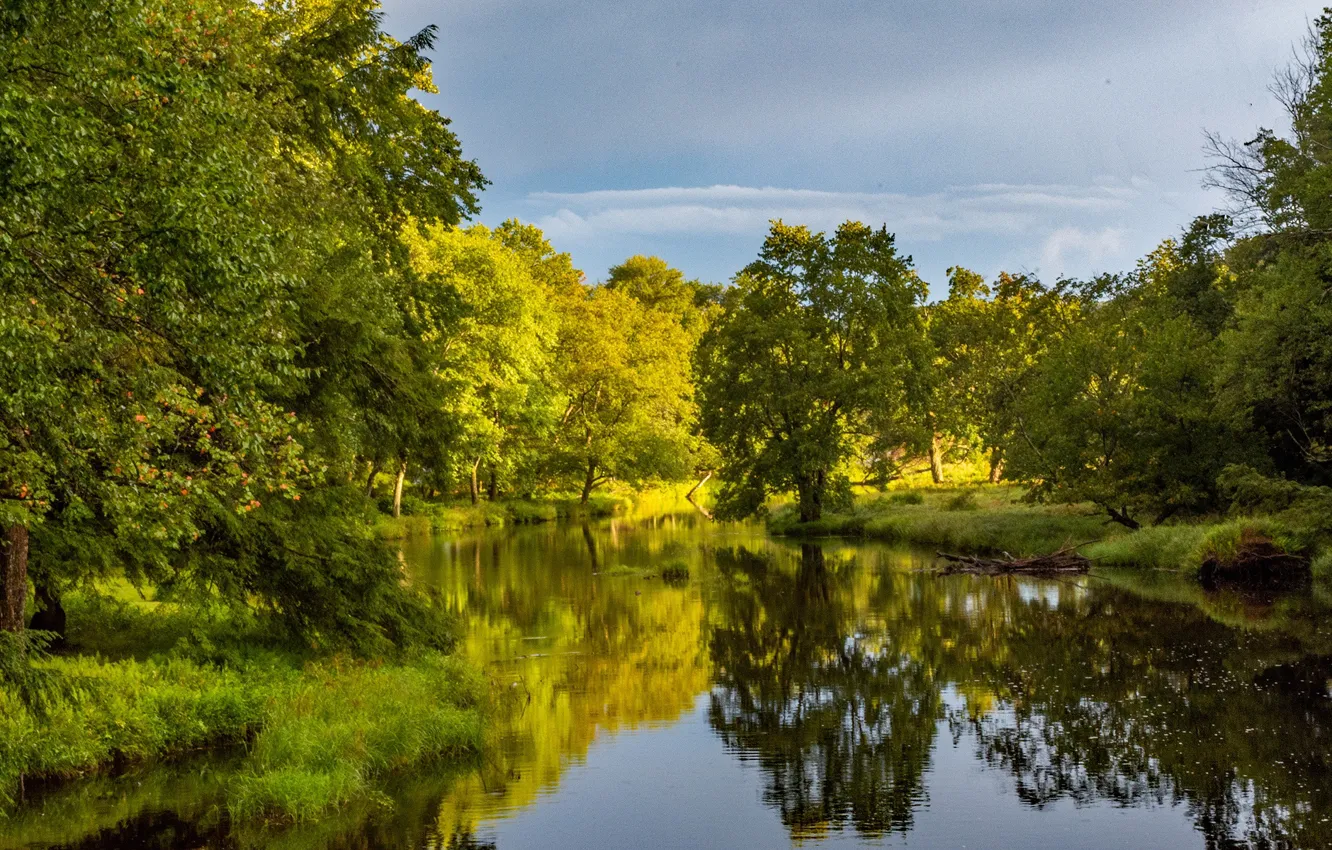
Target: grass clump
column 1163, row 547
column 975, row 519
column 964, row 500
column 1227, row 547
column 177, row 679
column 339, row 728
column 673, row 571
column 906, row 497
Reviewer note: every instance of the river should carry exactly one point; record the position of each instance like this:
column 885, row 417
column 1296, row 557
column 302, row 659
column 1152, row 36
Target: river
column 833, row 694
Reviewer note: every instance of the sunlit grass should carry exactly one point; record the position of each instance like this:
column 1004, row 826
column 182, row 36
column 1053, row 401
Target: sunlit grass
column 177, row 679
column 986, row 519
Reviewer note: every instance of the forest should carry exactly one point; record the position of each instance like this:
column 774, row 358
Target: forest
column 249, row 331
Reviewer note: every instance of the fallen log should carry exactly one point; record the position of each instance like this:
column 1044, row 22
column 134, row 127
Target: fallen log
column 1066, row 560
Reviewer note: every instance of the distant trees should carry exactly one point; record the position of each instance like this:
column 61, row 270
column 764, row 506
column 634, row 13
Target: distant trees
column 815, row 335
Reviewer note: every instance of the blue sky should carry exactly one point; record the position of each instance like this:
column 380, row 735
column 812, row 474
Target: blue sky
column 1045, row 136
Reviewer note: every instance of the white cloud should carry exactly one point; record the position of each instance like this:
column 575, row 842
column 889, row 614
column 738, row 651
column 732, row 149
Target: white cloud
column 1071, row 248
column 991, row 209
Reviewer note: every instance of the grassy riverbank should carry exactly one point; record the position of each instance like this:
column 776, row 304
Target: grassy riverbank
column 318, row 733
column 993, row 519
column 421, row 516
column 983, row 519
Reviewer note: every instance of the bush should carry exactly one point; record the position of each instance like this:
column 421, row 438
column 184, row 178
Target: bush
column 675, row 572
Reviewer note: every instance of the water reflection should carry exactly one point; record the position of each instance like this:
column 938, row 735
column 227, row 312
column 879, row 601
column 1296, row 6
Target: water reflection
column 841, row 722
column 831, row 694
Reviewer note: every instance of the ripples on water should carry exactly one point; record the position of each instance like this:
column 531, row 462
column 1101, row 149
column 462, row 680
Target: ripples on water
column 824, row 695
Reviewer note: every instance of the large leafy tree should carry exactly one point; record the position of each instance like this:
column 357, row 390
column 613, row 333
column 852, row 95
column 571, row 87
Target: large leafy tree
column 1276, row 371
column 816, row 335
column 492, row 330
column 984, row 342
column 624, row 377
column 1121, row 410
column 187, row 190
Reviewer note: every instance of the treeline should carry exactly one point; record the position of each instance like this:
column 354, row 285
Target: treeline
column 234, row 291
column 1198, row 380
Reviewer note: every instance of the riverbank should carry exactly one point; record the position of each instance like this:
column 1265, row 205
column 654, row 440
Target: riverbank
column 421, row 516
column 317, row 732
column 425, row 517
column 994, row 519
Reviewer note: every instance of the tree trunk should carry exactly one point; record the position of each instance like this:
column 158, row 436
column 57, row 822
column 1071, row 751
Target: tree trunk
column 689, row 497
column 397, row 490
column 996, row 465
column 591, row 546
column 50, row 616
column 370, row 480
column 589, row 481
column 936, row 459
column 809, row 490
column 476, row 481
column 1122, row 517
column 13, row 578
column 492, row 488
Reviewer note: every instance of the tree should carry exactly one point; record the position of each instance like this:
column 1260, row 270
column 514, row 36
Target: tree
column 814, row 336
column 1276, row 368
column 984, row 341
column 623, row 372
column 1121, row 411
column 188, row 190
column 492, row 330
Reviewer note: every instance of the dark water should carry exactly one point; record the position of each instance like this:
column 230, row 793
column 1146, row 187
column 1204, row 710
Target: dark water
column 827, row 696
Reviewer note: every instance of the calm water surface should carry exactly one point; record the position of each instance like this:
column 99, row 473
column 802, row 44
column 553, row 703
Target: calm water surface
column 826, row 695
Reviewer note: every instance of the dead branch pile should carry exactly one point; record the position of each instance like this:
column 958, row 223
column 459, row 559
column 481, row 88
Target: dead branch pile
column 1066, row 560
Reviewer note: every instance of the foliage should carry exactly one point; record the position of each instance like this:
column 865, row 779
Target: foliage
column 623, row 370
column 200, row 209
column 814, row 337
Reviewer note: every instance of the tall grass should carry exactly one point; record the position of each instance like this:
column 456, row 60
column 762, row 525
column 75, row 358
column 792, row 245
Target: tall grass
column 981, row 519
column 319, row 732
column 328, row 738
column 1188, row 547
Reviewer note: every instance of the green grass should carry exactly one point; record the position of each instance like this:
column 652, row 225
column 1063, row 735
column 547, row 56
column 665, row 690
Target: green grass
column 988, row 519
column 432, row 517
column 1187, row 547
column 328, row 738
column 672, row 571
column 175, row 680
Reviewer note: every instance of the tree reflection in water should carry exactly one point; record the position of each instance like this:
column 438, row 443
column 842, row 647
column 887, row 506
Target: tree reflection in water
column 842, row 724
column 836, row 679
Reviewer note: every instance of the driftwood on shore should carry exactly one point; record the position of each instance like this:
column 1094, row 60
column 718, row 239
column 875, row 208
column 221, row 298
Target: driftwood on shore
column 1066, row 560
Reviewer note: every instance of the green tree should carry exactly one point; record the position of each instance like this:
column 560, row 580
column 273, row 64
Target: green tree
column 493, row 330
column 1122, row 411
column 1276, row 370
column 188, row 190
column 815, row 335
column 624, row 374
column 984, row 341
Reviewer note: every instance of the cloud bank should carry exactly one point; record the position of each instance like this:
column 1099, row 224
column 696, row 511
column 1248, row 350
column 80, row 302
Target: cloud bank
column 1064, row 225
